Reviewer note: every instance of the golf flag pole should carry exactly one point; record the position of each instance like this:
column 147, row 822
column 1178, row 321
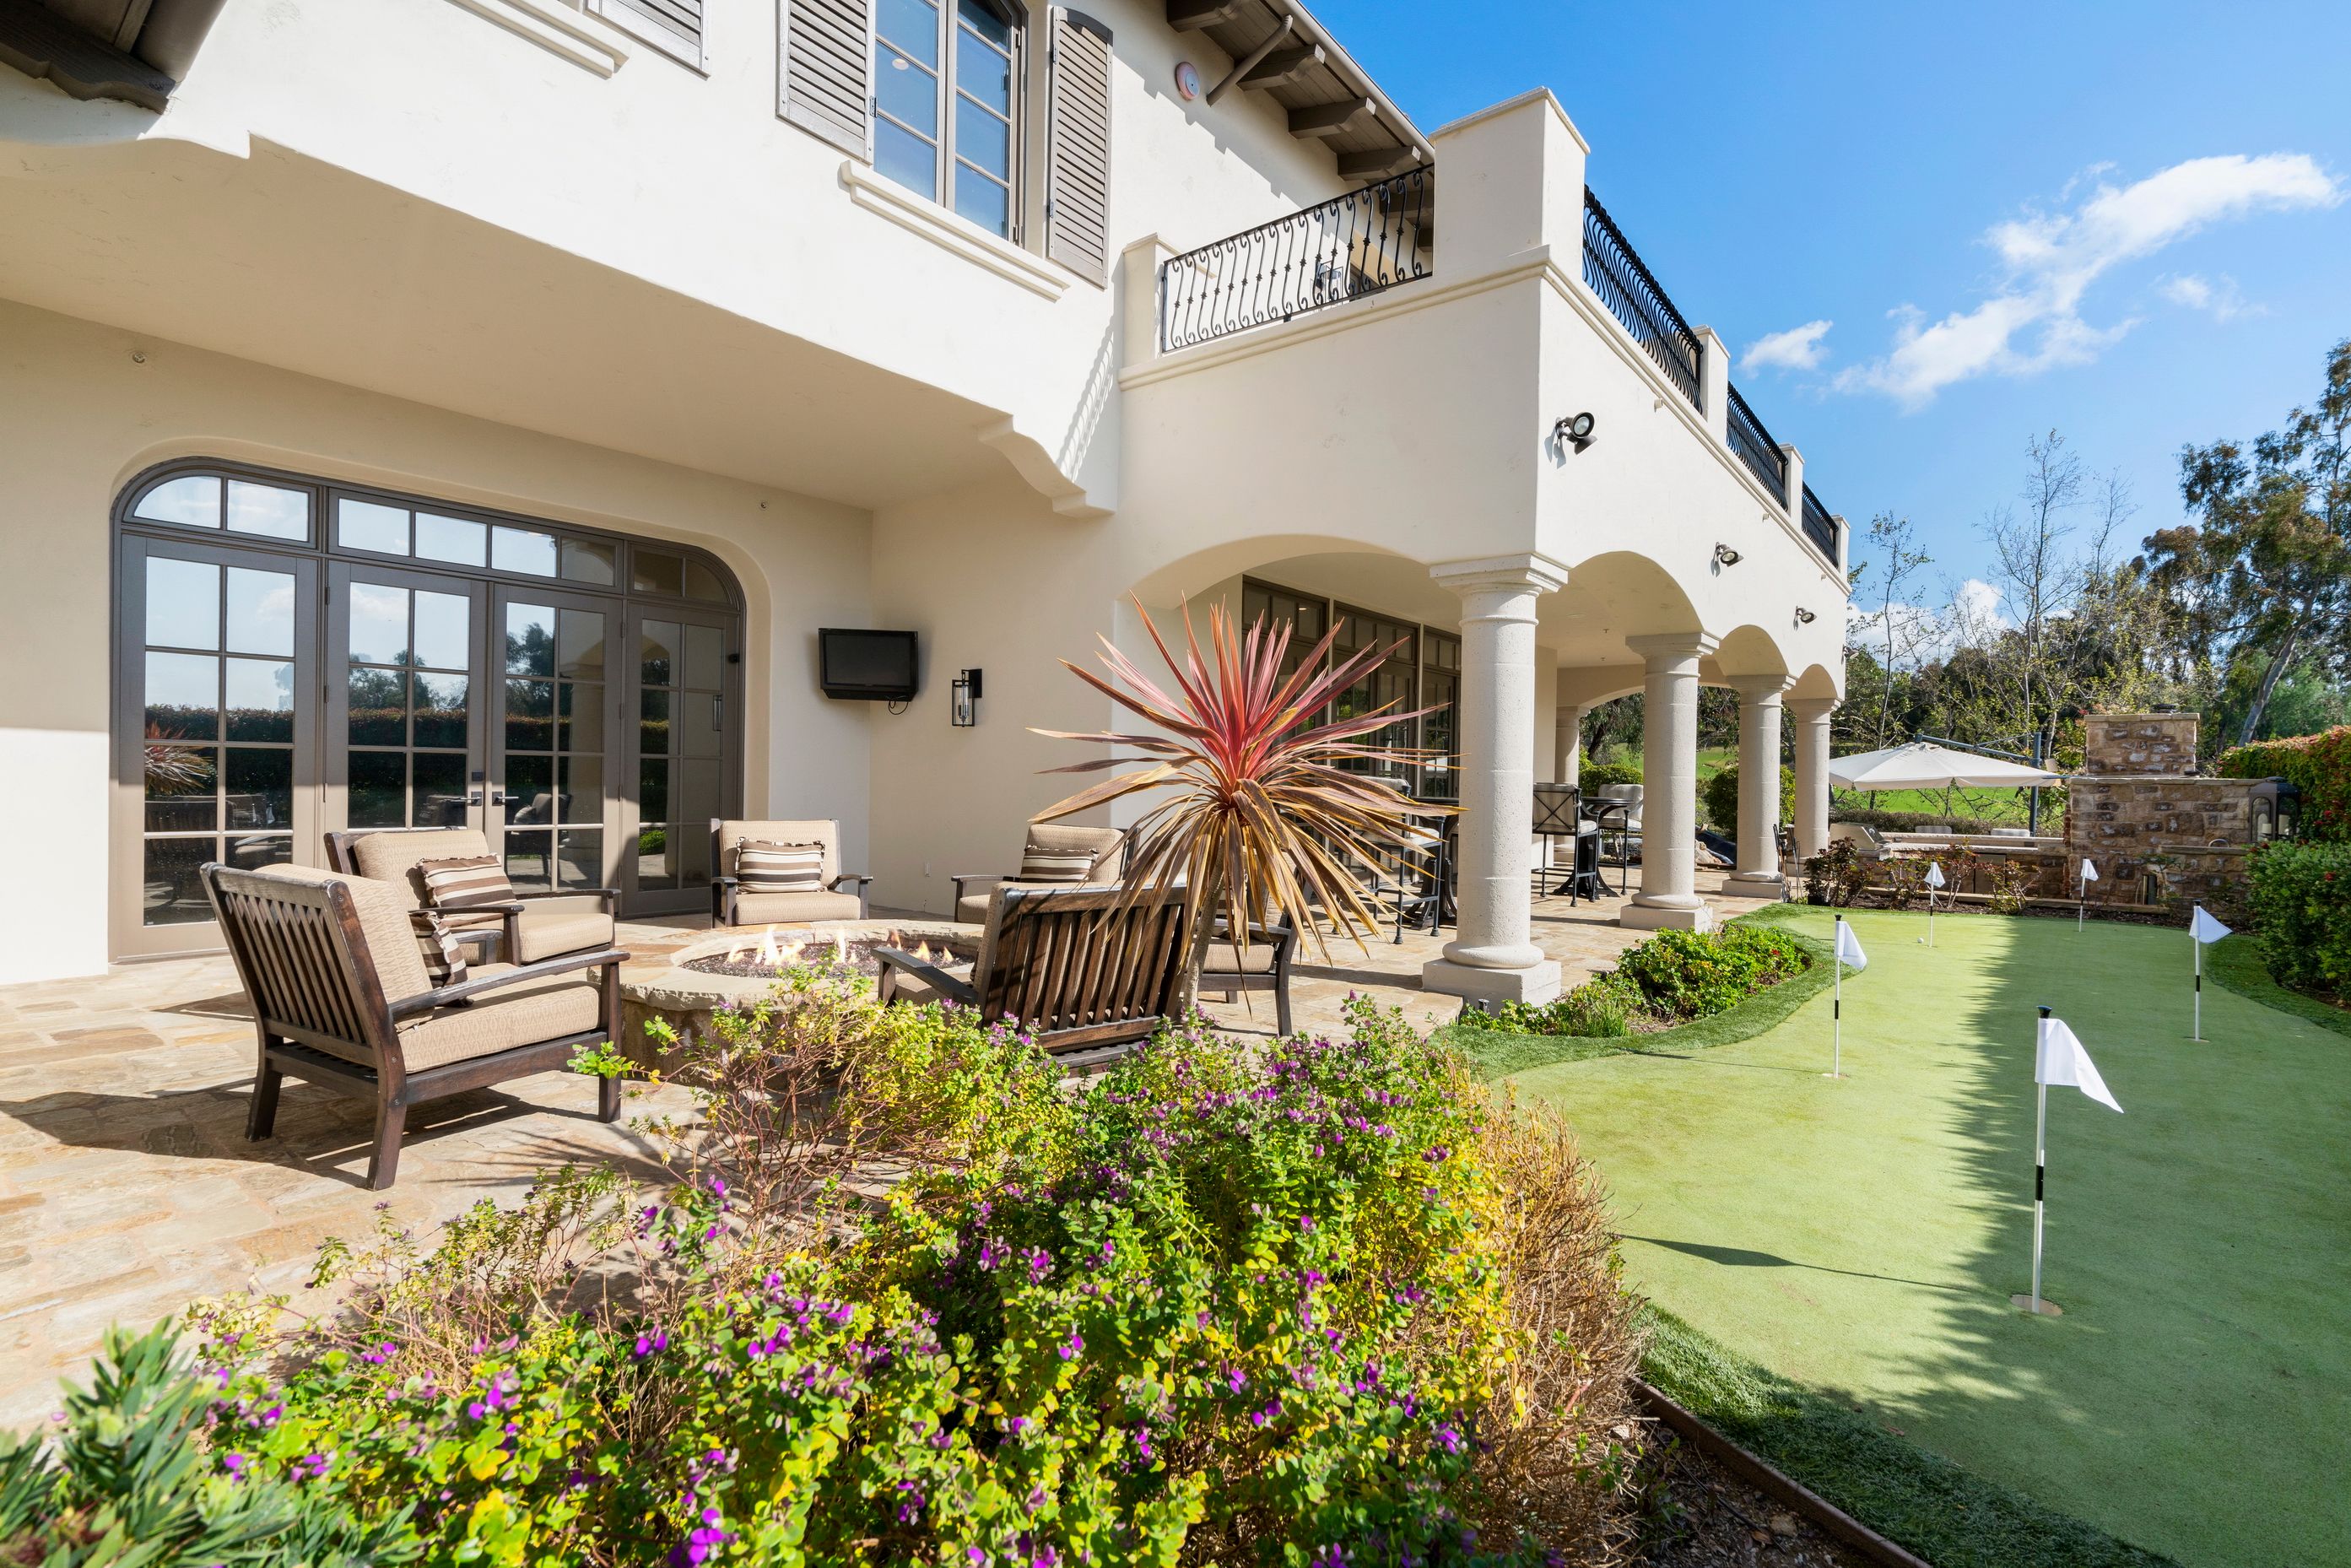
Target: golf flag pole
column 2081, row 899
column 2059, row 1057
column 2040, row 1160
column 2202, row 929
column 1848, row 951
column 1934, row 881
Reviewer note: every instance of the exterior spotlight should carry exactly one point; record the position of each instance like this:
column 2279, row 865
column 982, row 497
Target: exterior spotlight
column 1805, row 617
column 1575, row 430
column 1725, row 555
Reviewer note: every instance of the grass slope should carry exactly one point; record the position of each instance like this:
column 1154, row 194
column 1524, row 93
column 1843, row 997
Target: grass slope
column 1860, row 1237
column 1949, row 1517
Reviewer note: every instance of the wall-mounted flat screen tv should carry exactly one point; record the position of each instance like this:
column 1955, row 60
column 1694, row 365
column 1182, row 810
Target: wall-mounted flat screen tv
column 868, row 666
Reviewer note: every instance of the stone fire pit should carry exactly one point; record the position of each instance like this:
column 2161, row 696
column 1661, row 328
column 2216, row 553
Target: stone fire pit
column 743, row 963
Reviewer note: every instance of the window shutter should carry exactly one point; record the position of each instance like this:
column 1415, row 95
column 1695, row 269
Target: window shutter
column 823, row 81
column 674, row 25
column 1077, row 152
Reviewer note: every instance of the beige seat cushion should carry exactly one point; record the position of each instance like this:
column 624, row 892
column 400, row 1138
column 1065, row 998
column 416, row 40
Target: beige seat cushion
column 1105, row 847
column 384, row 926
column 499, row 1020
column 390, row 857
column 766, row 908
column 1228, row 959
column 914, row 989
column 972, row 907
column 554, row 926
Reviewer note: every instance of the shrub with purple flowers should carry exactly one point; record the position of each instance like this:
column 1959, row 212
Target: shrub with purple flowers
column 1312, row 1301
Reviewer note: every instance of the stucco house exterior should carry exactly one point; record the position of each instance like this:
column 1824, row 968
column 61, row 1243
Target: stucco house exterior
column 471, row 409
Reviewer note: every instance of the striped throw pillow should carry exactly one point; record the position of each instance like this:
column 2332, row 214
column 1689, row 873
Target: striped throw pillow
column 444, row 954
column 461, row 883
column 1038, row 865
column 765, row 867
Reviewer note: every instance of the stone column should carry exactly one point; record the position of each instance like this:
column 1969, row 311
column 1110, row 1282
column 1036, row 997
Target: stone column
column 1668, row 896
column 1757, row 875
column 1812, row 773
column 1567, row 745
column 1493, row 956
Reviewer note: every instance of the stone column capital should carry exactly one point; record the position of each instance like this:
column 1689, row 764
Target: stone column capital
column 1668, row 652
column 1531, row 573
column 1812, row 710
column 1760, row 688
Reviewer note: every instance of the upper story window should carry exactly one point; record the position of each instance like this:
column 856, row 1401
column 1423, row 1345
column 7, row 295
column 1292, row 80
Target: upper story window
column 944, row 98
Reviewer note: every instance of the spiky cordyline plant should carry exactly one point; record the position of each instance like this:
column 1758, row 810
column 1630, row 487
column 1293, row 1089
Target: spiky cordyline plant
column 1260, row 811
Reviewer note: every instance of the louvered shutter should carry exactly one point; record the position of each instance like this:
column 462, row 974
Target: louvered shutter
column 823, row 82
column 1077, row 154
column 673, row 24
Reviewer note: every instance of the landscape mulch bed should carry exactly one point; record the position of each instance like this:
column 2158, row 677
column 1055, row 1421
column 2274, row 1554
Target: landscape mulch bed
column 1701, row 1515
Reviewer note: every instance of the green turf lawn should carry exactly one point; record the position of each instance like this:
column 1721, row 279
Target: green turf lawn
column 1861, row 1236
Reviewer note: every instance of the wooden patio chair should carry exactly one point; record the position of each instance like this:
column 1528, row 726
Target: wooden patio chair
column 1264, row 967
column 1088, row 971
column 340, row 998
column 1054, row 854
column 532, row 926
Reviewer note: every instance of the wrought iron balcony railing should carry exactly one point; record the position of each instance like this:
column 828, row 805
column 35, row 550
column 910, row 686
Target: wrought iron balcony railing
column 1634, row 297
column 1819, row 526
column 1756, row 449
column 1350, row 246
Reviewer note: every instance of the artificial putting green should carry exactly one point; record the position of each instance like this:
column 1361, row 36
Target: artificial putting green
column 1861, row 1236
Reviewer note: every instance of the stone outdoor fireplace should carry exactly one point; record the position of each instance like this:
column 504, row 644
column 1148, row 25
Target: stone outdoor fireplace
column 2157, row 831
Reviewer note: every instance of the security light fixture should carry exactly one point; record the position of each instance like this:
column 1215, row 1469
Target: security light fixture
column 1575, row 430
column 963, row 706
column 1725, row 555
column 1805, row 617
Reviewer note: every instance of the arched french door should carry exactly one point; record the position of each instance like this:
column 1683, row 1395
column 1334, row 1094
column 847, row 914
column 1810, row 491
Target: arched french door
column 296, row 657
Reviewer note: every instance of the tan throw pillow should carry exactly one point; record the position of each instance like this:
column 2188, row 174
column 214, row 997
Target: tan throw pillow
column 1040, row 864
column 464, row 883
column 761, row 866
column 444, row 954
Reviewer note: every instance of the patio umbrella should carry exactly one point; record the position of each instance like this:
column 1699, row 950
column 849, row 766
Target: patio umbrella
column 1922, row 765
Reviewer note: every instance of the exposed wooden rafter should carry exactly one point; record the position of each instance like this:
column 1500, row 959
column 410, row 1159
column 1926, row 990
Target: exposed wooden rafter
column 1330, row 118
column 1283, row 65
column 1191, row 15
column 1378, row 164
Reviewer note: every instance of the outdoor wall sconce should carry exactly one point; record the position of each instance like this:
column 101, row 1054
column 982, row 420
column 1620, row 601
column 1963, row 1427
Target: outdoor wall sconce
column 963, row 702
column 1574, row 430
column 1725, row 555
column 1805, row 617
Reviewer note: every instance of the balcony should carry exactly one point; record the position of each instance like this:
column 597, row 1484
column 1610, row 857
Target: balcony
column 1350, row 247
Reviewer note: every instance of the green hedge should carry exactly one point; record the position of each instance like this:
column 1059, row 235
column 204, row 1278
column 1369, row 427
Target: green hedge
column 1596, row 774
column 2317, row 764
column 2301, row 904
column 1720, row 794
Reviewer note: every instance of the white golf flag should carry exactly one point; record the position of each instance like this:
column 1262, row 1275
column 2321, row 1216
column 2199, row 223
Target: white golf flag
column 2206, row 929
column 2063, row 1061
column 2089, row 872
column 1848, row 947
column 1934, row 873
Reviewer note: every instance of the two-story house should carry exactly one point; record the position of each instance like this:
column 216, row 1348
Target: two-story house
column 439, row 411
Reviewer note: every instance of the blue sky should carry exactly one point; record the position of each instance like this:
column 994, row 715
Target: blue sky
column 1778, row 165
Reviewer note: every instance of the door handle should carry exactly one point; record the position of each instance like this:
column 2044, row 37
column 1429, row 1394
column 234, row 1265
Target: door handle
column 717, row 713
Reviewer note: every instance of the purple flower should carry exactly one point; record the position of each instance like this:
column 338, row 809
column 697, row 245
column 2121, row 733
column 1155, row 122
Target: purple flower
column 647, row 1343
column 310, row 1466
column 1072, row 1345
column 1449, row 1439
column 234, row 1464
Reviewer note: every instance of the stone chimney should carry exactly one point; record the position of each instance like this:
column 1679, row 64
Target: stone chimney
column 2120, row 744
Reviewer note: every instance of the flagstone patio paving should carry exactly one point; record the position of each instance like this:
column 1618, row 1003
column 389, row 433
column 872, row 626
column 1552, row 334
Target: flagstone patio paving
column 127, row 1186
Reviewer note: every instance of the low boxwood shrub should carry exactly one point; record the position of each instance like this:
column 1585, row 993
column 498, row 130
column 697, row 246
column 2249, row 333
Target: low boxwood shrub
column 1667, row 979
column 1297, row 1304
column 2317, row 764
column 1721, row 795
column 2301, row 897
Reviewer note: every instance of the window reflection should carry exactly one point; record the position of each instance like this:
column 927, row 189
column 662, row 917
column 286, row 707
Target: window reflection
column 370, row 526
column 268, row 510
column 192, row 501
column 183, row 606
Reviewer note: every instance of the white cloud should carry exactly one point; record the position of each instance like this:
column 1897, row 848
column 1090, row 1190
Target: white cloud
column 2222, row 300
column 1797, row 349
column 2034, row 321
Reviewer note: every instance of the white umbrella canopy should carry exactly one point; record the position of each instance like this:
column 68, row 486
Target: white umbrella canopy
column 1921, row 765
